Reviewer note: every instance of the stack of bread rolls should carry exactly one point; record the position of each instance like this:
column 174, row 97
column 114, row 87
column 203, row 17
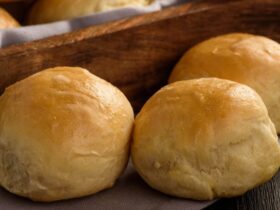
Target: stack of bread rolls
column 210, row 133
column 248, row 59
column 204, row 136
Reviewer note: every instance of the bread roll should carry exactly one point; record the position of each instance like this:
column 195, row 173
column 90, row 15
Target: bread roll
column 6, row 20
column 252, row 60
column 45, row 11
column 205, row 138
column 64, row 133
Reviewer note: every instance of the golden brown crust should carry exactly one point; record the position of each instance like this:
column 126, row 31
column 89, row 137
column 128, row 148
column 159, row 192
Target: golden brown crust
column 205, row 138
column 64, row 133
column 45, row 11
column 252, row 60
column 6, row 20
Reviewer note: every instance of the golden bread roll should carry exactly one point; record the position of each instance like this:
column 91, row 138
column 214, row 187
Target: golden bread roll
column 248, row 59
column 64, row 133
column 6, row 20
column 205, row 138
column 45, row 11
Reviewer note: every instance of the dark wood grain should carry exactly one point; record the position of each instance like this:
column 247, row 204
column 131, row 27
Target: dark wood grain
column 138, row 54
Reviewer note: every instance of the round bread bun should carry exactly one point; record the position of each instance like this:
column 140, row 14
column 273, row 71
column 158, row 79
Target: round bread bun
column 6, row 20
column 248, row 59
column 45, row 11
column 205, row 138
column 64, row 133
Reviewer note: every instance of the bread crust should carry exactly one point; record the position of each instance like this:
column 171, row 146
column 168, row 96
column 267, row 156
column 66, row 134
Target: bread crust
column 205, row 138
column 244, row 58
column 45, row 11
column 6, row 20
column 64, row 133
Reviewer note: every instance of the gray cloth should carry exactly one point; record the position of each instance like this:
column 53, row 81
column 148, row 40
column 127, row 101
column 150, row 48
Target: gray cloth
column 129, row 193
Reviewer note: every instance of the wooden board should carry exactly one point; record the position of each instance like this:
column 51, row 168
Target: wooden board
column 138, row 54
